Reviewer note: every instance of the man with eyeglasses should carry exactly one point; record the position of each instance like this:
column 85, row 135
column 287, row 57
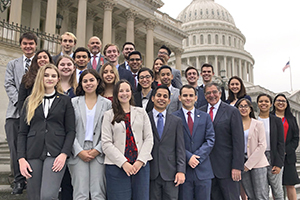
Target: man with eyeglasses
column 127, row 48
column 142, row 98
column 164, row 52
column 81, row 57
column 135, row 64
column 67, row 42
column 227, row 156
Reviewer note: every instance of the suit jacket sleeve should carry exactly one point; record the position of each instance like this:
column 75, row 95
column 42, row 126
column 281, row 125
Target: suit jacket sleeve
column 22, row 135
column 177, row 79
column 207, row 146
column 10, row 84
column 180, row 148
column 238, row 142
column 291, row 147
column 279, row 155
column 22, row 96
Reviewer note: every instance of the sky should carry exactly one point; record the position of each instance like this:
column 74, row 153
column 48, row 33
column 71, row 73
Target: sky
column 272, row 32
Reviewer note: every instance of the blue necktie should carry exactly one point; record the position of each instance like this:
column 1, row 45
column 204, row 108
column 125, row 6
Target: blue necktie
column 160, row 124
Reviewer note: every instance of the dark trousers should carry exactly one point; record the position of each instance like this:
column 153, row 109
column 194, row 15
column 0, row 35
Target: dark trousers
column 66, row 186
column 12, row 129
column 163, row 190
column 120, row 186
column 44, row 183
column 225, row 189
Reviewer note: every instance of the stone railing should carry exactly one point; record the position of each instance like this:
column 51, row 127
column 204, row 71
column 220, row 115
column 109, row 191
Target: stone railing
column 10, row 34
column 166, row 18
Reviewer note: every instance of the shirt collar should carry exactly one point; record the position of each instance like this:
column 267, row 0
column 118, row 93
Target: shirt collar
column 24, row 58
column 185, row 111
column 216, row 106
column 148, row 95
column 97, row 55
column 155, row 112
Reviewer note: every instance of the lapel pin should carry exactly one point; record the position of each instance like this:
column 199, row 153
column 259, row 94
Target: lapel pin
column 198, row 115
column 57, row 96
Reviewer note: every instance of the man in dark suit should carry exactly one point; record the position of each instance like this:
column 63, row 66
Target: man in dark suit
column 15, row 70
column 67, row 42
column 135, row 64
column 81, row 57
column 199, row 137
column 97, row 60
column 167, row 169
column 207, row 73
column 127, row 48
column 164, row 52
column 227, row 156
column 112, row 53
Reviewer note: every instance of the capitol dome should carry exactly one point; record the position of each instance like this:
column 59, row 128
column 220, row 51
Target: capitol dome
column 214, row 38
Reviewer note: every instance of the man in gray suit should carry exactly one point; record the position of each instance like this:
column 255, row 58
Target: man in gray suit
column 67, row 41
column 167, row 169
column 15, row 70
column 97, row 60
column 164, row 52
column 166, row 77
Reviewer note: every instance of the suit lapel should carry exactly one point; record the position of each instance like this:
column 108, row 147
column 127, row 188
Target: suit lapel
column 20, row 69
column 55, row 103
column 132, row 115
column 82, row 110
column 185, row 125
column 219, row 114
column 196, row 121
column 97, row 112
column 166, row 126
column 155, row 133
column 251, row 128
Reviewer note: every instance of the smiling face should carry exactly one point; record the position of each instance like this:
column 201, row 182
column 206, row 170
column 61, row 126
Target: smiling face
column 50, row 80
column 135, row 63
column 112, row 54
column 124, row 94
column 280, row 103
column 192, row 76
column 128, row 48
column 212, row 95
column 264, row 104
column 207, row 74
column 28, row 47
column 108, row 75
column 145, row 79
column 188, row 98
column 235, row 86
column 158, row 63
column 161, row 99
column 89, row 83
column 95, row 45
column 81, row 59
column 66, row 67
column 244, row 109
column 42, row 59
column 166, row 76
column 67, row 44
column 163, row 53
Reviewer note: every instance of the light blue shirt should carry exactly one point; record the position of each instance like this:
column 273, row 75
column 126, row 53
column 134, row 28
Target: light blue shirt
column 155, row 117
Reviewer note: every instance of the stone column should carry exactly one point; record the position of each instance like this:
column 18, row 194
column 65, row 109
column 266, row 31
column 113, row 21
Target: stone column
column 64, row 6
column 234, row 72
column 197, row 63
column 91, row 14
column 216, row 68
column 81, row 23
column 248, row 70
column 150, row 24
column 188, row 61
column 35, row 14
column 206, row 59
column 108, row 6
column 240, row 68
column 244, row 71
column 50, row 26
column 251, row 74
column 178, row 53
column 224, row 67
column 15, row 12
column 130, row 15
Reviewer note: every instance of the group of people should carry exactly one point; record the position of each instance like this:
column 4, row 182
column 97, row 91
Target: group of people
column 82, row 122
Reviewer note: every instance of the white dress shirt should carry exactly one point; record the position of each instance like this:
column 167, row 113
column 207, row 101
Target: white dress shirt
column 185, row 111
column 215, row 110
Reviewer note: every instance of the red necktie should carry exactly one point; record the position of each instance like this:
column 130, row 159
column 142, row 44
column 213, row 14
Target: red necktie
column 135, row 83
column 94, row 62
column 211, row 113
column 190, row 122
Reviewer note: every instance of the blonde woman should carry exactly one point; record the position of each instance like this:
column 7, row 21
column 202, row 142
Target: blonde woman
column 109, row 76
column 46, row 135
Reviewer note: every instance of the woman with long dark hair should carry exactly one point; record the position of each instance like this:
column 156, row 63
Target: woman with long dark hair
column 158, row 62
column 127, row 143
column 47, row 131
column 275, row 144
column 110, row 76
column 254, row 177
column 281, row 108
column 236, row 90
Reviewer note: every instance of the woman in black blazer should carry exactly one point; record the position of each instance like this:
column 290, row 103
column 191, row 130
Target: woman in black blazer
column 275, row 144
column 46, row 135
column 281, row 108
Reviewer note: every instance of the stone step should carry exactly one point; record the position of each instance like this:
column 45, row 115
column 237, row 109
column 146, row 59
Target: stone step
column 5, row 193
column 4, row 160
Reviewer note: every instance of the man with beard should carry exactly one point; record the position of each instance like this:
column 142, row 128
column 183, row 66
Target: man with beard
column 67, row 42
column 97, row 60
column 128, row 47
column 81, row 57
column 166, row 77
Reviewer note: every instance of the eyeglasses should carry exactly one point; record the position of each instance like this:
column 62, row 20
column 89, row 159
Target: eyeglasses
column 214, row 92
column 147, row 77
column 243, row 107
column 280, row 101
column 134, row 59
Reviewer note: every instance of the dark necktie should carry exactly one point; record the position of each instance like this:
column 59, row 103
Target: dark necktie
column 94, row 62
column 190, row 122
column 28, row 61
column 135, row 83
column 160, row 124
column 211, row 113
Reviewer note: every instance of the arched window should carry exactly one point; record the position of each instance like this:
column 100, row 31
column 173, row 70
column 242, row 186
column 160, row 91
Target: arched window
column 223, row 39
column 194, row 40
column 234, row 42
column 229, row 40
column 217, row 39
column 209, row 39
column 201, row 39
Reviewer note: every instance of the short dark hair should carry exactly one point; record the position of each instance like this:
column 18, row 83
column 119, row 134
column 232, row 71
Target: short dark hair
column 135, row 53
column 79, row 89
column 126, row 43
column 161, row 87
column 166, row 48
column 189, row 68
column 28, row 36
column 212, row 84
column 207, row 65
column 145, row 69
column 165, row 67
column 80, row 49
column 263, row 95
column 188, row 87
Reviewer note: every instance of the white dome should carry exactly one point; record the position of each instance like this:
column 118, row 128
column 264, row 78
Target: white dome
column 205, row 10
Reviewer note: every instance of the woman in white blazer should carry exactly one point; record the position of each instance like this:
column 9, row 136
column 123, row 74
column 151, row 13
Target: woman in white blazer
column 86, row 164
column 127, row 142
column 254, row 177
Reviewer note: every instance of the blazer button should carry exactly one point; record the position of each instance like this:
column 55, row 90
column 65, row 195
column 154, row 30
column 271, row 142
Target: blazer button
column 46, row 131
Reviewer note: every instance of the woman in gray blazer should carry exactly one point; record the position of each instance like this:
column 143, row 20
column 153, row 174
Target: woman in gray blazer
column 86, row 164
column 127, row 142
